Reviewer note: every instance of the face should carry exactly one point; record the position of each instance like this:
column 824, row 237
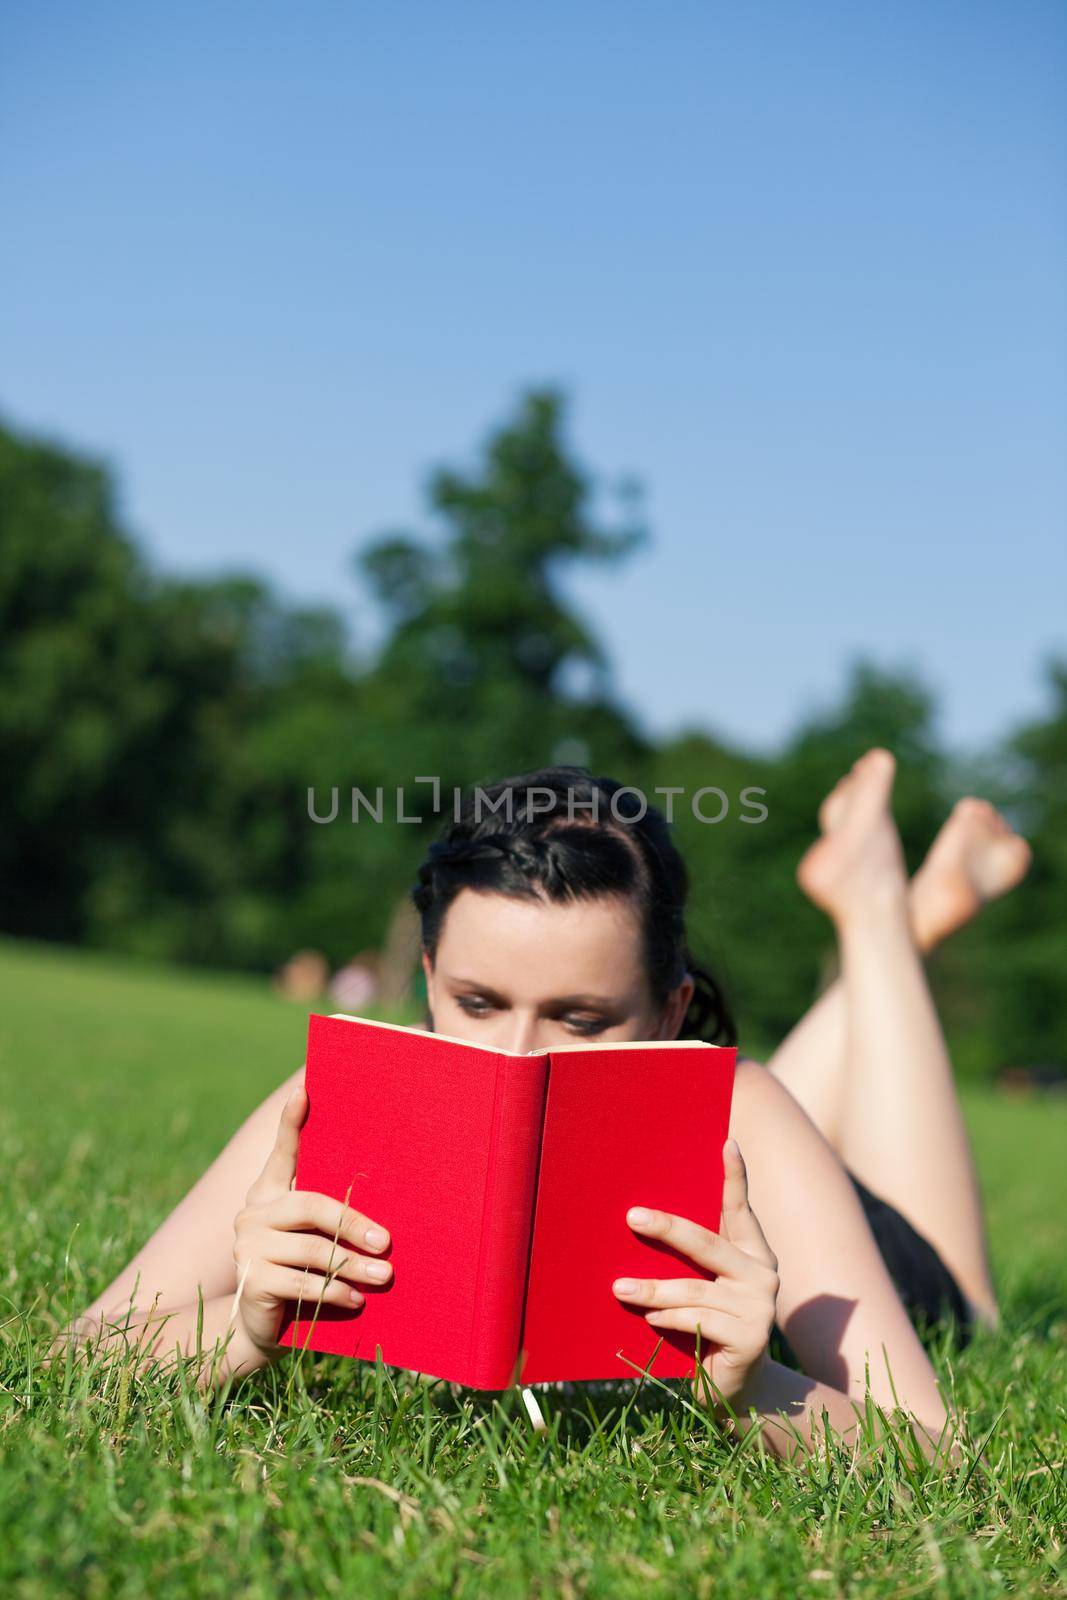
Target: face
column 528, row 974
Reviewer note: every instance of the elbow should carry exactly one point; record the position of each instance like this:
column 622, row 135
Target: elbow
column 95, row 1329
column 76, row 1334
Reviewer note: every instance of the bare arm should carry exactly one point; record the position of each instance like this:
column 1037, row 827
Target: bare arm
column 734, row 1310
column 794, row 1413
column 191, row 1252
column 178, row 1290
column 285, row 1245
column 837, row 1303
column 208, row 1329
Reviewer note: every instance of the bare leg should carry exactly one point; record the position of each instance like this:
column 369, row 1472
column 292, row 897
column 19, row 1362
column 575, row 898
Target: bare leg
column 901, row 1128
column 975, row 858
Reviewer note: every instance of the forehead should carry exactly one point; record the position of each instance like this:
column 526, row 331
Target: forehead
column 540, row 947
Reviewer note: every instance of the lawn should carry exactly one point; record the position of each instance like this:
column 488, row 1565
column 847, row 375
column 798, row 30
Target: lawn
column 322, row 1477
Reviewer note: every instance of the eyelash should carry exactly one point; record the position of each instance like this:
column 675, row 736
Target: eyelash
column 479, row 1008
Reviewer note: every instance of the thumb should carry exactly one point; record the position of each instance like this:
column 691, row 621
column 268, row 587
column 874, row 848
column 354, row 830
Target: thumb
column 739, row 1222
column 280, row 1169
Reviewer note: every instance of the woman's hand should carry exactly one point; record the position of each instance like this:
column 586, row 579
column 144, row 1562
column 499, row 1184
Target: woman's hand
column 277, row 1261
column 735, row 1311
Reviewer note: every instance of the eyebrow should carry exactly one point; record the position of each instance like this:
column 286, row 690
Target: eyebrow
column 557, row 1000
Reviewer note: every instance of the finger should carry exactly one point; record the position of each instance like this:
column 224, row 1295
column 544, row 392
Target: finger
column 718, row 1294
column 273, row 1282
column 323, row 1255
column 707, row 1249
column 299, row 1209
column 280, row 1167
column 739, row 1221
column 714, row 1327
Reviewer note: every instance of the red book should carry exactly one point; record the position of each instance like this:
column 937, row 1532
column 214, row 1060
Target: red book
column 504, row 1181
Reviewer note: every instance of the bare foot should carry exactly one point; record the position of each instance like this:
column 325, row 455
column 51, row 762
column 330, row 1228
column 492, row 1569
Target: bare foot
column 858, row 861
column 976, row 857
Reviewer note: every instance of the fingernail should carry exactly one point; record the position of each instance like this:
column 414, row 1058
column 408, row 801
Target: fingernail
column 356, row 1298
column 639, row 1215
column 377, row 1238
column 378, row 1270
column 625, row 1285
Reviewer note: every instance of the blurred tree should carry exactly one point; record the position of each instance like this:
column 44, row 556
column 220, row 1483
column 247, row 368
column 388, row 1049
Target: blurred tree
column 475, row 678
column 132, row 816
column 159, row 738
column 71, row 596
column 481, row 637
column 1032, row 1009
column 1005, row 978
column 486, row 607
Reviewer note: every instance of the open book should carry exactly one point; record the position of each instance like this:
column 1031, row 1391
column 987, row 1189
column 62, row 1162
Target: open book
column 504, row 1181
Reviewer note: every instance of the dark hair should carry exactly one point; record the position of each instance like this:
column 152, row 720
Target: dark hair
column 547, row 842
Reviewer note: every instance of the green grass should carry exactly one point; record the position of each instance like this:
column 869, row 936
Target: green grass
column 327, row 1477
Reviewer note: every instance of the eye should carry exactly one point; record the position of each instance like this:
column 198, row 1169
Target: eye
column 474, row 1005
column 586, row 1025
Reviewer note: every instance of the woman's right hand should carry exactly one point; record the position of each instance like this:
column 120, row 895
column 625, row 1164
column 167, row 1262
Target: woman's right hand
column 277, row 1261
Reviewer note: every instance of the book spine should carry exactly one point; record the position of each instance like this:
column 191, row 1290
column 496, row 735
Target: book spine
column 507, row 1220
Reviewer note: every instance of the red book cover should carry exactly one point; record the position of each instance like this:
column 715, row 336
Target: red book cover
column 504, row 1181
column 636, row 1125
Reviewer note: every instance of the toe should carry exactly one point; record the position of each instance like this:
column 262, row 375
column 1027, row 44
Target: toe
column 877, row 760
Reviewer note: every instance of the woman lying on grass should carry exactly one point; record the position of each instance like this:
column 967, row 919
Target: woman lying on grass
column 854, row 1212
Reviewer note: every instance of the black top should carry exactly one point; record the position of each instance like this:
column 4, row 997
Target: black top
column 929, row 1291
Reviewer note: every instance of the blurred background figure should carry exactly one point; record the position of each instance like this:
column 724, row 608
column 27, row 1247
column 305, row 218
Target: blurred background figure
column 356, row 984
column 303, row 977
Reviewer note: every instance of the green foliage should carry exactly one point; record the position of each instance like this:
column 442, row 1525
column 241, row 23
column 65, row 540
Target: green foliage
column 482, row 641
column 485, row 607
column 159, row 739
column 1009, row 968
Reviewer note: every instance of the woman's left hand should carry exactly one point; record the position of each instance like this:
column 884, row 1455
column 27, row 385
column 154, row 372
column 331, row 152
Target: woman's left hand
column 735, row 1310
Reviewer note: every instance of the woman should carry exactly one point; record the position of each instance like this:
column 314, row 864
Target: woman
column 855, row 1200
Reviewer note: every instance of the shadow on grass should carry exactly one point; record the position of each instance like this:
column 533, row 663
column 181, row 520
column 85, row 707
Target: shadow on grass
column 575, row 1414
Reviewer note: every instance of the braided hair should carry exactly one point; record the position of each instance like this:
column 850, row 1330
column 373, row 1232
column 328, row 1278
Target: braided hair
column 562, row 853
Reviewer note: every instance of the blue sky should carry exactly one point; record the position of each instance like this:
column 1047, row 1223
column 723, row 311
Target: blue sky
column 800, row 266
